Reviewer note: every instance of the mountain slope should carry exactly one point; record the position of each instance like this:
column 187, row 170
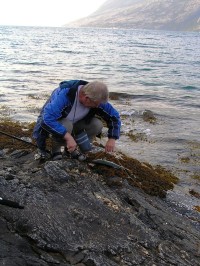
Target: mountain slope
column 145, row 14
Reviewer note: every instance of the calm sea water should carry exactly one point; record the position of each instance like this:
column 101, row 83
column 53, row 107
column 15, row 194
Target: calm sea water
column 159, row 70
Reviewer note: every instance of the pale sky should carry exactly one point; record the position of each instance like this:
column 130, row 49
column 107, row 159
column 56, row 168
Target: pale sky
column 45, row 12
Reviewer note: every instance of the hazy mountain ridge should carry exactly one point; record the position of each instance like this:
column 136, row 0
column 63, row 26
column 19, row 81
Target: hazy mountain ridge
column 145, row 14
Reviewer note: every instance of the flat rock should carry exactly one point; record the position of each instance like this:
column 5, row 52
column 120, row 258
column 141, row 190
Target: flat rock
column 71, row 216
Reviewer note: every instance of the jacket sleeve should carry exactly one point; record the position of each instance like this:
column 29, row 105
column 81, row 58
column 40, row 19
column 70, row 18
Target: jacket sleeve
column 112, row 118
column 53, row 111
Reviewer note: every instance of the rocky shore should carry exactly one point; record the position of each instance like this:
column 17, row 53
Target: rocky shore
column 73, row 215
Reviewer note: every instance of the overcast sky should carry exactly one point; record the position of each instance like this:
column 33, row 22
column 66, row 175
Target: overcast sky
column 45, row 12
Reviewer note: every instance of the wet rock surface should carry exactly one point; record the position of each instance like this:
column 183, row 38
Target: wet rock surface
column 71, row 216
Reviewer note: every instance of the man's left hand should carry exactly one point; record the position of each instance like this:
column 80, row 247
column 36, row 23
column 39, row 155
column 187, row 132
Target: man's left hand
column 110, row 145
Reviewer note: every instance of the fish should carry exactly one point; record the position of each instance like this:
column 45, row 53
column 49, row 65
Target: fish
column 108, row 163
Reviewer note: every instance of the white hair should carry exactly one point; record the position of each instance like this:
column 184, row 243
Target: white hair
column 96, row 91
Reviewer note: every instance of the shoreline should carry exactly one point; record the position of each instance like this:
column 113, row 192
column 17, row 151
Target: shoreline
column 73, row 215
column 180, row 197
column 145, row 137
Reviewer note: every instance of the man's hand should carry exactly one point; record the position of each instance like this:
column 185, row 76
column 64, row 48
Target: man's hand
column 110, row 145
column 71, row 143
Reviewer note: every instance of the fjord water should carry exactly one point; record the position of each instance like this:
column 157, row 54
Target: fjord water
column 159, row 70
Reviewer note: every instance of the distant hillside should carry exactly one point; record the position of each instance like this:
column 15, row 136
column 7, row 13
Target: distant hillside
column 145, row 14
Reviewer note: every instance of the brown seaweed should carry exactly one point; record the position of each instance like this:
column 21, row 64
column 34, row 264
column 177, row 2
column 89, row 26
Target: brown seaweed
column 153, row 180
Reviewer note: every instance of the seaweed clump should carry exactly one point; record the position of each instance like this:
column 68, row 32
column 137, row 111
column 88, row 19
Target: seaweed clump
column 195, row 193
column 148, row 116
column 155, row 181
column 196, row 208
column 16, row 129
column 137, row 137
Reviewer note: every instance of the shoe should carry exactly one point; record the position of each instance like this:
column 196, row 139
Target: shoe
column 40, row 155
column 74, row 155
column 57, row 156
column 77, row 155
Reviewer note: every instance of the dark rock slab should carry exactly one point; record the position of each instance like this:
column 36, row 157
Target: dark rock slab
column 72, row 217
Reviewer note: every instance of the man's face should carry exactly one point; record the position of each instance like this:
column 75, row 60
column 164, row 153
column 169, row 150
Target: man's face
column 87, row 102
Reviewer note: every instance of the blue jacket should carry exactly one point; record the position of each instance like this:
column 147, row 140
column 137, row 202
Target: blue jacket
column 59, row 105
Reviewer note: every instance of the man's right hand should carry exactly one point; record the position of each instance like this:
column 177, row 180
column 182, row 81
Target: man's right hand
column 70, row 142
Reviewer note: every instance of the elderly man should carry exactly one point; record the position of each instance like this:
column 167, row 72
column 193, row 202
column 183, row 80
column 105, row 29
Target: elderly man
column 74, row 106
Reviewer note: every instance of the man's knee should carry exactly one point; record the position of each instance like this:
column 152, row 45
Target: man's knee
column 94, row 128
column 96, row 125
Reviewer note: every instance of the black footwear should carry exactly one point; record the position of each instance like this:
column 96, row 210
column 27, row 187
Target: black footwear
column 78, row 155
column 57, row 156
column 75, row 155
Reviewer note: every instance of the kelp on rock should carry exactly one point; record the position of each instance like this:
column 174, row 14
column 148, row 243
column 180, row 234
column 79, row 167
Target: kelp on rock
column 153, row 180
